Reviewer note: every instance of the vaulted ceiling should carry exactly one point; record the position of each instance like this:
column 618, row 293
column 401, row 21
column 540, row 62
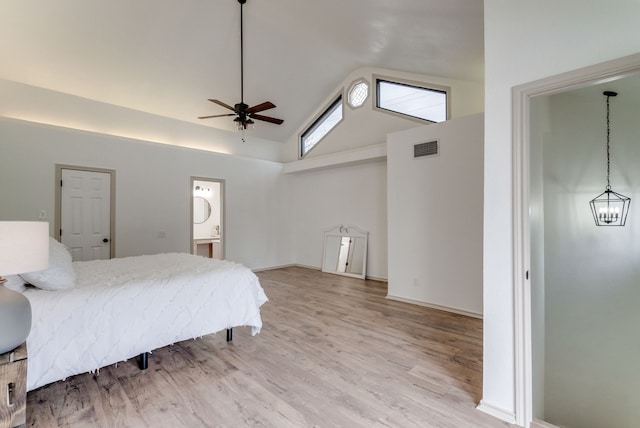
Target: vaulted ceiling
column 167, row 57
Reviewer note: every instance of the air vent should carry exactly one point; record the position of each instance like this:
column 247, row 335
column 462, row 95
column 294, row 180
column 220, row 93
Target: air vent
column 430, row 148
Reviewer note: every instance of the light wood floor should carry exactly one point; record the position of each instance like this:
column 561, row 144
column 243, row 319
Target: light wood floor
column 333, row 352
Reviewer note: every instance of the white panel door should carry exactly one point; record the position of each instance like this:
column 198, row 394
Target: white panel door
column 85, row 214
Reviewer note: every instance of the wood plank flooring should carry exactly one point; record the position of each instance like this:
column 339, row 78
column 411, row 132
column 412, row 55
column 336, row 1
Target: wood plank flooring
column 333, row 352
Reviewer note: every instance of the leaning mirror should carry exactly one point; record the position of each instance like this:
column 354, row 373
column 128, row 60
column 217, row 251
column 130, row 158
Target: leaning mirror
column 201, row 209
column 345, row 251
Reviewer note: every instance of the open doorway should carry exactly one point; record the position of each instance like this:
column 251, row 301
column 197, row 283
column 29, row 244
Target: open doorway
column 207, row 217
column 567, row 305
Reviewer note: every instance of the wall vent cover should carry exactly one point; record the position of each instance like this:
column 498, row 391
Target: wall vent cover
column 430, row 148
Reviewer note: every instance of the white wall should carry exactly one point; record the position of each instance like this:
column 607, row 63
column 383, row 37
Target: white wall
column 435, row 215
column 153, row 190
column 357, row 194
column 591, row 273
column 40, row 105
column 291, row 231
column 347, row 195
column 367, row 126
column 524, row 41
column 540, row 119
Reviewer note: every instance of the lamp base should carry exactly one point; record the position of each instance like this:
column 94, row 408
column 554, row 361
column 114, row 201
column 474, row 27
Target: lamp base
column 15, row 319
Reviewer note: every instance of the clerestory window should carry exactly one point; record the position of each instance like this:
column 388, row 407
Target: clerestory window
column 412, row 100
column 321, row 126
column 358, row 93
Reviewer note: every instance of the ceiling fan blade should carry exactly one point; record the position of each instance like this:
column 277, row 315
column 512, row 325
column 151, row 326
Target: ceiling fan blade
column 220, row 103
column 216, row 115
column 267, row 119
column 261, row 107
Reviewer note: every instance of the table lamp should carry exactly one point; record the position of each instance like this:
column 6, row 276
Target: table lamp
column 24, row 247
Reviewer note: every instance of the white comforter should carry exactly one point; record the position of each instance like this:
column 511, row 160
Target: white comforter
column 121, row 308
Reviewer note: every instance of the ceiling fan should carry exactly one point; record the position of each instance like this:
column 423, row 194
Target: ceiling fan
column 244, row 114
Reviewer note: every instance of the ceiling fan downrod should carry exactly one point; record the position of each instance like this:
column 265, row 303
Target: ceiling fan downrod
column 242, row 2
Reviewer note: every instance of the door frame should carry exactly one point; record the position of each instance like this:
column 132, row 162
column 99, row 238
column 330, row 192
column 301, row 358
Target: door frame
column 521, row 97
column 112, row 201
column 223, row 217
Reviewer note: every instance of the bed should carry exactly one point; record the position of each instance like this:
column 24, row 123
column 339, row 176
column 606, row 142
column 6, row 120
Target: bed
column 114, row 310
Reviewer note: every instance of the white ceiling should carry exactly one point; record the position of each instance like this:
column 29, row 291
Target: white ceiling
column 167, row 57
column 627, row 87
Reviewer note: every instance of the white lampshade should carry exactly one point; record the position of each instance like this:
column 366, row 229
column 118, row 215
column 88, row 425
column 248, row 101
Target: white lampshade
column 24, row 246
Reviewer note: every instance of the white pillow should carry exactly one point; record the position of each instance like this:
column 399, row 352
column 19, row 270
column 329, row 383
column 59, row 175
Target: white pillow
column 15, row 283
column 59, row 275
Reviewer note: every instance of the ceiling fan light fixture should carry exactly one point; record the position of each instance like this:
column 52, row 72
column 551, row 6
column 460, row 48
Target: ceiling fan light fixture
column 244, row 114
column 243, row 124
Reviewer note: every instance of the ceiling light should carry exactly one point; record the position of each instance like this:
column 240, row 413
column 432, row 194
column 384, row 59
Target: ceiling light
column 244, row 114
column 610, row 208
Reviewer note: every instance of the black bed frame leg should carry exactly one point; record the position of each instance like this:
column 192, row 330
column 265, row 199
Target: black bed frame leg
column 143, row 362
column 229, row 334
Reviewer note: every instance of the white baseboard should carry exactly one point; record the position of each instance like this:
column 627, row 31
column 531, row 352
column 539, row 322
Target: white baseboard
column 284, row 266
column 541, row 424
column 272, row 268
column 373, row 278
column 497, row 412
column 434, row 306
column 307, row 267
column 310, row 267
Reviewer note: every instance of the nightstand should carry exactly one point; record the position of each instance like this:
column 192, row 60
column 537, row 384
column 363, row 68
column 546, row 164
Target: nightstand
column 13, row 388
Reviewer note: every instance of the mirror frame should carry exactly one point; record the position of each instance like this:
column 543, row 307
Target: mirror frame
column 208, row 207
column 339, row 232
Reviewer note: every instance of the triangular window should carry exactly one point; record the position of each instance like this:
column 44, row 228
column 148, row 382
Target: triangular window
column 321, row 126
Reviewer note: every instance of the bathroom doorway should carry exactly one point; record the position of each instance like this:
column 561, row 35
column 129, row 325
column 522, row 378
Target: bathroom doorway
column 207, row 217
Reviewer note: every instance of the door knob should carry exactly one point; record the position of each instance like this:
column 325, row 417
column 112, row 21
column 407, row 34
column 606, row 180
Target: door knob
column 105, row 240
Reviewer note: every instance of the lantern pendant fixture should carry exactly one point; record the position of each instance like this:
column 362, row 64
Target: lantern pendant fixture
column 610, row 208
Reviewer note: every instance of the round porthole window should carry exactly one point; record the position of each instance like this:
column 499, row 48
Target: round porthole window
column 358, row 93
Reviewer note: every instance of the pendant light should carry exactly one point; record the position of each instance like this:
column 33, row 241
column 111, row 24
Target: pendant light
column 610, row 208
